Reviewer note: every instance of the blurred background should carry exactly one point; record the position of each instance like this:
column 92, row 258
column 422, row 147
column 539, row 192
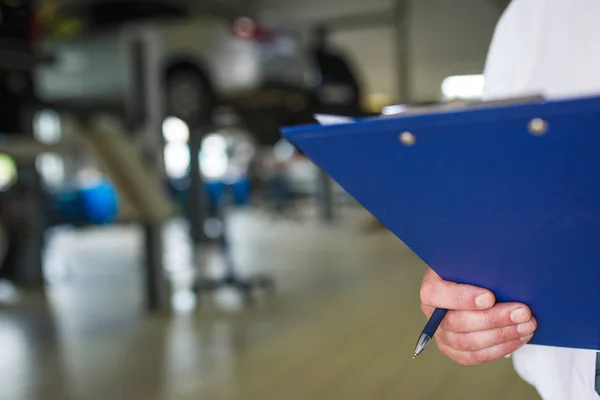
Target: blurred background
column 158, row 237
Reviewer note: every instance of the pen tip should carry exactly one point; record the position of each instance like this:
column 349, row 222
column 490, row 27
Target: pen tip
column 415, row 356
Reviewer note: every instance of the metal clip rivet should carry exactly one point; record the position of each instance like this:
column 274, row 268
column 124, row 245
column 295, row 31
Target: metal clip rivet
column 407, row 139
column 538, row 127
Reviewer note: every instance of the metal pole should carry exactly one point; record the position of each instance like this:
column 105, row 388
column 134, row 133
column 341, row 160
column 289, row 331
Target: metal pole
column 29, row 271
column 158, row 293
column 148, row 93
column 325, row 197
column 402, row 11
column 324, row 188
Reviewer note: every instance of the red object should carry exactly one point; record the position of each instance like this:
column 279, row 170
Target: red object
column 247, row 28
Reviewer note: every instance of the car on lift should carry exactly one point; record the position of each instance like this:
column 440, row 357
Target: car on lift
column 205, row 57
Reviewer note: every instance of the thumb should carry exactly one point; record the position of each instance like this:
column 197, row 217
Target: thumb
column 436, row 292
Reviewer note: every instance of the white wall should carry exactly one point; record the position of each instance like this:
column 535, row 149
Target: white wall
column 447, row 37
column 450, row 37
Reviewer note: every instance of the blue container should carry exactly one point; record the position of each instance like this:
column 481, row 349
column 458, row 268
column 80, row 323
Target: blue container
column 100, row 203
column 95, row 204
column 70, row 207
column 216, row 191
column 241, row 191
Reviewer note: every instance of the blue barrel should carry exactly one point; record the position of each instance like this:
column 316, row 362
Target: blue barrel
column 215, row 191
column 241, row 191
column 95, row 204
column 70, row 207
column 100, row 203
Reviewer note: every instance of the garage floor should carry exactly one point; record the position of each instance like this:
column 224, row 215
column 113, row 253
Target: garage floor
column 342, row 325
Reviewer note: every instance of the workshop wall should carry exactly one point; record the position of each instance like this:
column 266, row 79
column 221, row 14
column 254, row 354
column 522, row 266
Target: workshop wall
column 444, row 39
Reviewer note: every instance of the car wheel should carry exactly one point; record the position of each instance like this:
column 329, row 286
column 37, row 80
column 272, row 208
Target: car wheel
column 189, row 96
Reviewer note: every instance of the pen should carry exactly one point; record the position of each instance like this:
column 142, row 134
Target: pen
column 427, row 334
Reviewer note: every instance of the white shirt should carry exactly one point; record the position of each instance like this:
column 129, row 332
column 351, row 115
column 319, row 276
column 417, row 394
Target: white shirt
column 552, row 48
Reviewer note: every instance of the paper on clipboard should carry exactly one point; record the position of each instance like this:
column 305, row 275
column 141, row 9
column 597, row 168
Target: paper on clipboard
column 326, row 119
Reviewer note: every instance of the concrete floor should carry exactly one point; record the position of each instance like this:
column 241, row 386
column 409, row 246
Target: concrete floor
column 342, row 324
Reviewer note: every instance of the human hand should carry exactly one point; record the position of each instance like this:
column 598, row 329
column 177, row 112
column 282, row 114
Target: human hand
column 475, row 330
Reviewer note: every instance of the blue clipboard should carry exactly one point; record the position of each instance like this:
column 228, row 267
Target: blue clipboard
column 505, row 197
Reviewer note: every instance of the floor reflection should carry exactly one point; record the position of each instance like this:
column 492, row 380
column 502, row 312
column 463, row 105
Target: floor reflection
column 344, row 306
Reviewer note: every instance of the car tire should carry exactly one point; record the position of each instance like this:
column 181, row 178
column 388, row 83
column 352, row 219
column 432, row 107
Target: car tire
column 189, row 96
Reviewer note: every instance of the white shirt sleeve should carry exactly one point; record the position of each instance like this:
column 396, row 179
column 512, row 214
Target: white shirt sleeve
column 548, row 47
column 514, row 51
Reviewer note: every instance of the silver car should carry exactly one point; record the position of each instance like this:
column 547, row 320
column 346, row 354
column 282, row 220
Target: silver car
column 203, row 58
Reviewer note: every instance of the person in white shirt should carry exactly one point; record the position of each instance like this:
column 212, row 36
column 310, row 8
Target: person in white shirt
column 540, row 47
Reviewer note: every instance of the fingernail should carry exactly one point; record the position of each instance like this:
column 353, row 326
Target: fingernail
column 526, row 338
column 526, row 328
column 519, row 316
column 484, row 301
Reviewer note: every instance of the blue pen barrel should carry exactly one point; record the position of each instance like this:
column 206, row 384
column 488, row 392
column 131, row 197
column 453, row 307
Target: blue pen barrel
column 434, row 321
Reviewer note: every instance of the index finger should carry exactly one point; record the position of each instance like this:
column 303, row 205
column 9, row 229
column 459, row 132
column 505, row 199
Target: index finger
column 436, row 292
